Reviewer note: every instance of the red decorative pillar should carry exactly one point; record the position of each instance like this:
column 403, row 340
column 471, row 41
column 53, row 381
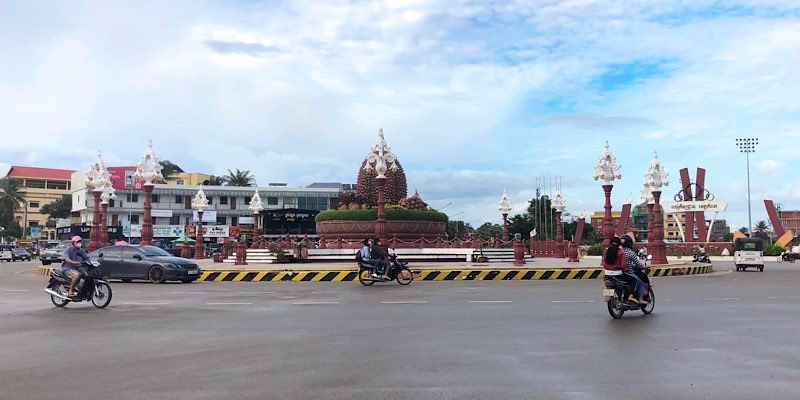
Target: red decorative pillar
column 147, row 224
column 257, row 243
column 650, row 221
column 186, row 251
column 505, row 227
column 574, row 255
column 658, row 248
column 104, row 225
column 241, row 253
column 559, row 237
column 94, row 233
column 608, row 220
column 519, row 252
column 380, row 223
column 198, row 245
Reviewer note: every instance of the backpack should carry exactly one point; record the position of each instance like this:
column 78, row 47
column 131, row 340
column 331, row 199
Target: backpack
column 359, row 257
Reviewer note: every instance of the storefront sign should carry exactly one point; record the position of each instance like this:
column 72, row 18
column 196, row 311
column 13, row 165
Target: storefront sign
column 162, row 213
column 216, row 231
column 671, row 207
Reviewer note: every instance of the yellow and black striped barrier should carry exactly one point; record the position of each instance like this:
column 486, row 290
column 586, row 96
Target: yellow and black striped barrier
column 444, row 274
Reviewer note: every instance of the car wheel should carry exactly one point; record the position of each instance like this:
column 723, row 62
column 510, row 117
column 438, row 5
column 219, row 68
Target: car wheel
column 157, row 274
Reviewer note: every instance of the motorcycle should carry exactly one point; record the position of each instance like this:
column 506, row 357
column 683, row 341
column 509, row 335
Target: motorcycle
column 786, row 256
column 397, row 271
column 616, row 294
column 701, row 257
column 90, row 288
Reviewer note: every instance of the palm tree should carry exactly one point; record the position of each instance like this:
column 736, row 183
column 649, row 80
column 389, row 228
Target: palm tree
column 239, row 178
column 760, row 230
column 214, row 180
column 11, row 199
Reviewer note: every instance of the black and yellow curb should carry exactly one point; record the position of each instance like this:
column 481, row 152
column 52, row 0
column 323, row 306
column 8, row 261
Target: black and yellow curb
column 449, row 274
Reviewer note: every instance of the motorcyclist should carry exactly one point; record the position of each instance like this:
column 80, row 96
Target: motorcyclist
column 377, row 255
column 614, row 264
column 634, row 266
column 73, row 257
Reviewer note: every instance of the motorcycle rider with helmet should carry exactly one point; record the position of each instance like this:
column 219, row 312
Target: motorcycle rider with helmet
column 634, row 266
column 74, row 255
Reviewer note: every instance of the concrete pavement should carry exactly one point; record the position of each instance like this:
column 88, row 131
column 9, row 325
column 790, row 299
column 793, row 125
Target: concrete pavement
column 728, row 335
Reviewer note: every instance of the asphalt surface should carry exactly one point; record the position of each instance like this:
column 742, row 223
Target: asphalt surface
column 732, row 335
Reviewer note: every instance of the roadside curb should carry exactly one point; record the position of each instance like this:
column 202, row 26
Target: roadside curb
column 430, row 274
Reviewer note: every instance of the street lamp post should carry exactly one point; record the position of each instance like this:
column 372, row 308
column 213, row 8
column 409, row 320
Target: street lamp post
column 505, row 208
column 199, row 203
column 647, row 196
column 256, row 205
column 747, row 146
column 607, row 169
column 381, row 159
column 656, row 178
column 108, row 194
column 148, row 169
column 558, row 203
column 96, row 179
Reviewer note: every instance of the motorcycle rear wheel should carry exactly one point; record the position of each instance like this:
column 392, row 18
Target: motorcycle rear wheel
column 57, row 301
column 101, row 296
column 365, row 278
column 404, row 276
column 615, row 307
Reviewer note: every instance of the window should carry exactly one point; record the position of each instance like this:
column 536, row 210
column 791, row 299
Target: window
column 35, row 184
column 223, row 200
column 178, row 199
column 134, row 219
column 111, row 203
column 175, row 220
column 133, row 197
column 234, row 221
column 233, row 203
column 222, row 220
column 111, row 251
column 210, row 200
column 154, row 198
column 179, row 181
column 272, row 201
column 33, row 204
column 33, row 223
column 57, row 185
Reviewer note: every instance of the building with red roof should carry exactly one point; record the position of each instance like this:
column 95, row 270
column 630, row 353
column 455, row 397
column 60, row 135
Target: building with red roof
column 41, row 186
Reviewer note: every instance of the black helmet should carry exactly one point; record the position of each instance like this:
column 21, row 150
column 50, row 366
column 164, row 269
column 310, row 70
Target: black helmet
column 627, row 241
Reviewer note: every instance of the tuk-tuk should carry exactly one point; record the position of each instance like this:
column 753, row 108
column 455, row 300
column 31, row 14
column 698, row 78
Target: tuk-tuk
column 748, row 253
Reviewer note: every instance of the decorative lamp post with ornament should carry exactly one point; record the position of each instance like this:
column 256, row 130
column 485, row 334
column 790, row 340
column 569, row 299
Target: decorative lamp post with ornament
column 381, row 159
column 558, row 204
column 647, row 197
column 607, row 170
column 505, row 208
column 656, row 178
column 96, row 179
column 148, row 170
column 109, row 193
column 256, row 205
column 199, row 203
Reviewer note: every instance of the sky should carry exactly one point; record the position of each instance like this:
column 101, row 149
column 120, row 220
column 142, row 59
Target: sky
column 474, row 97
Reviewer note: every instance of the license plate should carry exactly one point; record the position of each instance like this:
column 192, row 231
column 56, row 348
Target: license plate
column 192, row 272
column 608, row 292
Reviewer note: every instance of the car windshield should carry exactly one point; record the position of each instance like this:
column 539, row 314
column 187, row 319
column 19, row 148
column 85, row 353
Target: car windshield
column 153, row 251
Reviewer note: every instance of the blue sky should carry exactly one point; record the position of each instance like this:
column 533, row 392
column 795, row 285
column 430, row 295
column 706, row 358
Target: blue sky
column 474, row 96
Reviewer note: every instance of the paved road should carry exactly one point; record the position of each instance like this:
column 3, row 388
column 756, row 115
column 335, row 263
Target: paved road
column 728, row 336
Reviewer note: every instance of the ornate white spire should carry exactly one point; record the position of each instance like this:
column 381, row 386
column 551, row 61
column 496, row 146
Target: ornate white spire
column 149, row 167
column 558, row 203
column 97, row 176
column 199, row 201
column 656, row 176
column 256, row 205
column 381, row 158
column 505, row 204
column 607, row 168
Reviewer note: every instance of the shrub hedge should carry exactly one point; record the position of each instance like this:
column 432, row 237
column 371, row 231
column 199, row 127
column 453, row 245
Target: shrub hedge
column 392, row 214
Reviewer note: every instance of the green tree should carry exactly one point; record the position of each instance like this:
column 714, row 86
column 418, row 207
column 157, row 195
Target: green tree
column 214, row 180
column 12, row 230
column 11, row 200
column 60, row 208
column 458, row 228
column 239, row 178
column 590, row 236
column 760, row 230
column 489, row 229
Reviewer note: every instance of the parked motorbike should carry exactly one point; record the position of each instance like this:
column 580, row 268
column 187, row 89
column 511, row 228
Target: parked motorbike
column 397, row 271
column 616, row 294
column 90, row 288
column 701, row 257
column 787, row 256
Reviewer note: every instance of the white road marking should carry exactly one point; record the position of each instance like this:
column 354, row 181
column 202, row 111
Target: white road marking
column 723, row 299
column 489, row 301
column 246, row 293
column 315, row 303
column 188, row 292
column 406, row 302
column 289, row 297
column 784, row 298
column 160, row 303
column 149, row 308
column 15, row 290
column 127, row 292
column 228, row 304
column 573, row 301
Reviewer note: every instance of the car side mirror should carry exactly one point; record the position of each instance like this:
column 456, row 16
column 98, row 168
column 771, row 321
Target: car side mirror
column 138, row 257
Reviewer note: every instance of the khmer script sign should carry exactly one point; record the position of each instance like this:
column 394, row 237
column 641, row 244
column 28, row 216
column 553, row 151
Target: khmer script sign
column 672, row 207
